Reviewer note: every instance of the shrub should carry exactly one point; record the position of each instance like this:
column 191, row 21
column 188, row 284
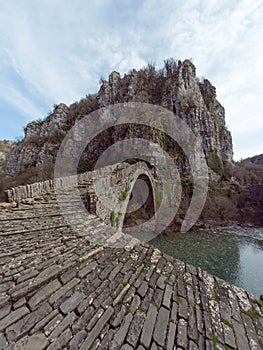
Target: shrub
column 215, row 162
column 248, row 173
column 124, row 194
column 161, row 138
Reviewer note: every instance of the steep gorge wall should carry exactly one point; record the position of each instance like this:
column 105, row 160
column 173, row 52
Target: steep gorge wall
column 40, row 144
column 178, row 89
column 174, row 87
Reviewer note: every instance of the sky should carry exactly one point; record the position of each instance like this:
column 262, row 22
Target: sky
column 54, row 51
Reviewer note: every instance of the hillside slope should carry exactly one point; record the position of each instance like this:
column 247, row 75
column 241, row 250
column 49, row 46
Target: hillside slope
column 258, row 159
column 174, row 87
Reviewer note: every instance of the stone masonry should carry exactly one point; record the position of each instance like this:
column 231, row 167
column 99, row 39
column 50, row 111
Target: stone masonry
column 60, row 291
column 101, row 185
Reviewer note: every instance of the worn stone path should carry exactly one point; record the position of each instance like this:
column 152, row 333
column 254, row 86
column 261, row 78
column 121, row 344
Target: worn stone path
column 59, row 291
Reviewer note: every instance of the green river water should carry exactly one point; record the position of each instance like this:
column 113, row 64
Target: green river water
column 234, row 254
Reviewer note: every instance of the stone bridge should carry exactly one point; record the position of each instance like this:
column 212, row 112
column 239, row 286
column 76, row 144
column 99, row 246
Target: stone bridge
column 109, row 196
column 60, row 290
column 111, row 192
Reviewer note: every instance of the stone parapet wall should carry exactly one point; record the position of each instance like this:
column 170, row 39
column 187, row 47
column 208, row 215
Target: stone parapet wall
column 103, row 189
column 17, row 194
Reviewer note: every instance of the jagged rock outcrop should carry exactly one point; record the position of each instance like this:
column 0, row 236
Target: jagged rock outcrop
column 177, row 89
column 174, row 87
column 40, row 143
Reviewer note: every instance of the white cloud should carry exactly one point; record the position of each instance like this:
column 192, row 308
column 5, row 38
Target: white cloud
column 15, row 98
column 59, row 49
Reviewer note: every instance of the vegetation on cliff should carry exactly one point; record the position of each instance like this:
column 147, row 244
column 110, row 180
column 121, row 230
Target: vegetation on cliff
column 237, row 197
column 174, row 87
column 235, row 191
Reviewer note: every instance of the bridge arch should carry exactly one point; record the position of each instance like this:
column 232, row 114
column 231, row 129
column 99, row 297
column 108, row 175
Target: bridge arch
column 126, row 185
column 141, row 204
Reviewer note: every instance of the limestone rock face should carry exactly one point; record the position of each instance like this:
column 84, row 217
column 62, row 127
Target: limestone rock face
column 40, row 143
column 179, row 90
column 174, row 87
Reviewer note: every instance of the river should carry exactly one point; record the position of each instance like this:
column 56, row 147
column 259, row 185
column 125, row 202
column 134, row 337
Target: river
column 234, row 254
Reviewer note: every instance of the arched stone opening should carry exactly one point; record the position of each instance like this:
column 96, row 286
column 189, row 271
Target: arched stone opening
column 141, row 205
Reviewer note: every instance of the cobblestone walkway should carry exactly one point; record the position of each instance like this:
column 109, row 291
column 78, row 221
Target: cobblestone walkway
column 58, row 291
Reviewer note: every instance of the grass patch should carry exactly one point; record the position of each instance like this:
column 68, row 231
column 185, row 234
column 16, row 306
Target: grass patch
column 133, row 269
column 258, row 302
column 228, row 323
column 158, row 198
column 25, row 264
column 115, row 220
column 81, row 262
column 214, row 340
column 127, row 309
column 196, row 340
column 112, row 218
column 155, row 304
column 217, row 298
column 124, row 194
column 252, row 313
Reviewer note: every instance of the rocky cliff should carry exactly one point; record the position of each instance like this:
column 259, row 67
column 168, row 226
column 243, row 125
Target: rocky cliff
column 40, row 144
column 175, row 87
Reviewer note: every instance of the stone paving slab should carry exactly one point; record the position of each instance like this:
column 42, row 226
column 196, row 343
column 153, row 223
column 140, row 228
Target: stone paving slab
column 59, row 291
